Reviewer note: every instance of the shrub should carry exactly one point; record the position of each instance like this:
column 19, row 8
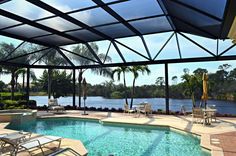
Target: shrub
column 17, row 96
column 105, row 109
column 99, row 109
column 42, row 107
column 32, row 104
column 21, row 104
column 113, row 110
column 11, row 104
column 68, row 107
column 116, row 95
column 92, row 108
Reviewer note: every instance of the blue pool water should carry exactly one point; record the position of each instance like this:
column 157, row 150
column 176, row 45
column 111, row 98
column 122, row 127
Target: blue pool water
column 119, row 139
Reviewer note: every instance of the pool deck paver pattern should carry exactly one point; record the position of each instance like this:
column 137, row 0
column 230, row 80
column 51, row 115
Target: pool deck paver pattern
column 220, row 131
column 226, row 141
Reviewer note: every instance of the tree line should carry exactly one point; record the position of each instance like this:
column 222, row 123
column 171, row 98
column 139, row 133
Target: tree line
column 221, row 84
column 59, row 83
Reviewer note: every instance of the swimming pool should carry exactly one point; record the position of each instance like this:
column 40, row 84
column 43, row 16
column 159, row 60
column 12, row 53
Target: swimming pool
column 118, row 139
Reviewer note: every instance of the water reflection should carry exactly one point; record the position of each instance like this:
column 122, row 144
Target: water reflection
column 223, row 107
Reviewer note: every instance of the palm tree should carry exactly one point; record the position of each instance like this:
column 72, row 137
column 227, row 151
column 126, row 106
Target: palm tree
column 160, row 81
column 122, row 70
column 84, row 51
column 52, row 58
column 174, row 79
column 22, row 71
column 191, row 83
column 5, row 50
column 135, row 70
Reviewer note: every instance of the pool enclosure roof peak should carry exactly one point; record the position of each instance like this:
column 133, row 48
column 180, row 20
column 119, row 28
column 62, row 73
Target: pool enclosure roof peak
column 55, row 23
column 61, row 22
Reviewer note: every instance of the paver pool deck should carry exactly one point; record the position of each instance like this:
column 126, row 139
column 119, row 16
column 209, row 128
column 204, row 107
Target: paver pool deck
column 219, row 137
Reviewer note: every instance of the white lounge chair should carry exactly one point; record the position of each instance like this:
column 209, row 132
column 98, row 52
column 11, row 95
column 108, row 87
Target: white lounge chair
column 127, row 110
column 147, row 109
column 54, row 106
column 31, row 143
column 14, row 136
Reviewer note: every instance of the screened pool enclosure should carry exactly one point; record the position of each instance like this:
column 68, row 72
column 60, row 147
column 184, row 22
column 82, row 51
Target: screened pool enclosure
column 155, row 25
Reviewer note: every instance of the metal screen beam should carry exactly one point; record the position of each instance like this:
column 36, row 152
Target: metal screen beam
column 108, row 49
column 64, row 56
column 163, row 8
column 93, row 53
column 28, row 85
column 14, row 49
column 167, row 94
column 183, row 60
column 197, row 44
column 118, row 51
column 79, row 55
column 193, row 26
column 74, row 90
column 116, row 16
column 226, row 50
column 177, row 42
column 163, row 46
column 41, row 57
column 23, row 55
column 146, row 47
column 136, row 52
column 37, row 25
column 23, row 38
column 197, row 10
column 66, row 17
column 229, row 15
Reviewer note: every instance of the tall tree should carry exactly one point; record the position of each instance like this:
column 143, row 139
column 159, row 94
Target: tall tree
column 61, row 83
column 135, row 70
column 84, row 51
column 160, row 81
column 22, row 72
column 200, row 71
column 174, row 80
column 191, row 83
column 52, row 58
column 119, row 71
column 6, row 50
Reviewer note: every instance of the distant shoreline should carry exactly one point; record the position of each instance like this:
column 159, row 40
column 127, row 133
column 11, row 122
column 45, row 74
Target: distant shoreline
column 69, row 95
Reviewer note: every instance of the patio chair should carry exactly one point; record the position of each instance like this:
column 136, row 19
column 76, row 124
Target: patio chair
column 14, row 136
column 198, row 115
column 147, row 109
column 127, row 110
column 32, row 143
column 54, row 106
column 212, row 115
column 183, row 110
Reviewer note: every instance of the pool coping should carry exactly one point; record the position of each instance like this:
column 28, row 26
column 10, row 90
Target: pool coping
column 205, row 140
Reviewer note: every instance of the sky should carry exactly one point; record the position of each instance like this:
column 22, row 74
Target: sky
column 154, row 43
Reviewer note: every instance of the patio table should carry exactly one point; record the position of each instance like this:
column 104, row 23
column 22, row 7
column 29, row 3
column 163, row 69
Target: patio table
column 208, row 115
column 138, row 106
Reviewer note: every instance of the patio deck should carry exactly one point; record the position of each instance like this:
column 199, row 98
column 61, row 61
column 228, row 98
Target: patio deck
column 220, row 131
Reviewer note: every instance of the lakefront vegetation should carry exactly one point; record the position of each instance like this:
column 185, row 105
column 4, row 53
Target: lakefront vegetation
column 57, row 83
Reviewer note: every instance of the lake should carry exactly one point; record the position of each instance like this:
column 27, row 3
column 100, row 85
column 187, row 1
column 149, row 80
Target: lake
column 223, row 107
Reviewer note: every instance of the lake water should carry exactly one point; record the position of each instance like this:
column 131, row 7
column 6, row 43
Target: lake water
column 223, row 107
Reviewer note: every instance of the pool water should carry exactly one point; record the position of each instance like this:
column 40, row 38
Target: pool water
column 118, row 139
